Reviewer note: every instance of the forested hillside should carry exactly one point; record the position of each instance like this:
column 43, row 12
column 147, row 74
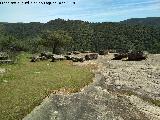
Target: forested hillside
column 142, row 35
column 145, row 21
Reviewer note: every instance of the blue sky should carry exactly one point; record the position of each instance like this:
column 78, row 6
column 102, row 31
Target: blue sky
column 87, row 10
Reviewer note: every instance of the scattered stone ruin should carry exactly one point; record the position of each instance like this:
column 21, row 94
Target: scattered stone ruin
column 75, row 56
column 131, row 56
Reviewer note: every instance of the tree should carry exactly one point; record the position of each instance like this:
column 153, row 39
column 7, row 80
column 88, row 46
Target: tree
column 55, row 40
column 7, row 42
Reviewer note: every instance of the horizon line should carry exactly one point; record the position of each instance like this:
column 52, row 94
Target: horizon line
column 82, row 20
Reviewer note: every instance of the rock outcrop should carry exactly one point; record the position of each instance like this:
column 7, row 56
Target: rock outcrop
column 122, row 90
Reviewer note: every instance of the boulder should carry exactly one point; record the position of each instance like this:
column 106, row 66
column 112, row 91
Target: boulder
column 119, row 56
column 35, row 59
column 43, row 58
column 58, row 57
column 75, row 58
column 137, row 55
column 69, row 57
column 91, row 56
column 78, row 59
column 48, row 55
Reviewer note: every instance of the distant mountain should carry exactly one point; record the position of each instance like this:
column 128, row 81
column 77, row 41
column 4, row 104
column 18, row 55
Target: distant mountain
column 145, row 21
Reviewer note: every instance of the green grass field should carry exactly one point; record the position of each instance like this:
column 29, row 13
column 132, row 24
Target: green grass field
column 24, row 85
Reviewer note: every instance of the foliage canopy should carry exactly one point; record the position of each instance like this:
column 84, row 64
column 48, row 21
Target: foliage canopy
column 130, row 34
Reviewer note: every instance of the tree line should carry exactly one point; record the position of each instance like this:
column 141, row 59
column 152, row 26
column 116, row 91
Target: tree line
column 79, row 35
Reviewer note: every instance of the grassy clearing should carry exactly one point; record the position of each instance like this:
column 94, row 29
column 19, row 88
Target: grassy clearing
column 24, row 85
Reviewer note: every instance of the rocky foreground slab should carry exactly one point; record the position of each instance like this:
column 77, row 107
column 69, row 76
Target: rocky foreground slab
column 122, row 90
